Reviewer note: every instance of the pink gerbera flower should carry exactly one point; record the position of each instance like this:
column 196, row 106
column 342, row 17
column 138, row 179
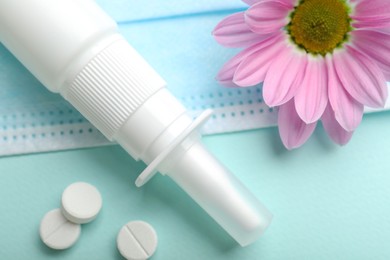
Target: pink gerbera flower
column 317, row 59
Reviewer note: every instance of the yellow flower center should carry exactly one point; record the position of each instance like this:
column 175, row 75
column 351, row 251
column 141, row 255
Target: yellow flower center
column 320, row 26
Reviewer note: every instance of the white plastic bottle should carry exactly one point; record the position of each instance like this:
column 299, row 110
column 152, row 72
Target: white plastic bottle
column 74, row 49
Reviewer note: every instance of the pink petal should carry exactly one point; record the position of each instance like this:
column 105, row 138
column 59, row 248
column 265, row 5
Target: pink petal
column 283, row 78
column 253, row 68
column 267, row 16
column 252, row 2
column 361, row 77
column 234, row 32
column 292, row 130
column 348, row 112
column 376, row 44
column 312, row 96
column 338, row 134
column 226, row 74
column 372, row 13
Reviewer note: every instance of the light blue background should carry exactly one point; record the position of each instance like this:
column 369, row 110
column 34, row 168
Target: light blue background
column 329, row 202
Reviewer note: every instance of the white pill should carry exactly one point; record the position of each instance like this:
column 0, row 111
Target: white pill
column 81, row 202
column 137, row 240
column 57, row 232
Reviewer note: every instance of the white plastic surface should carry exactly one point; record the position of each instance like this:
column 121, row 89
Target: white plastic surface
column 155, row 124
column 57, row 232
column 81, row 202
column 112, row 86
column 137, row 240
column 48, row 35
column 152, row 168
column 218, row 192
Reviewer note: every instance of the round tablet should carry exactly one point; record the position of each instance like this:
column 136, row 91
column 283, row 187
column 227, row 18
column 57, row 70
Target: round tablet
column 137, row 240
column 81, row 202
column 57, row 232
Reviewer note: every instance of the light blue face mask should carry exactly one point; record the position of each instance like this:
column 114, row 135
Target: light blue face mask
column 175, row 37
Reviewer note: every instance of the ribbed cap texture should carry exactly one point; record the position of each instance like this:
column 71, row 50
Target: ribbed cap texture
column 110, row 88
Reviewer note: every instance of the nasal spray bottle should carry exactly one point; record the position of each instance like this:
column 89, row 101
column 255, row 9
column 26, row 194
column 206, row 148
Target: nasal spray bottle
column 74, row 48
